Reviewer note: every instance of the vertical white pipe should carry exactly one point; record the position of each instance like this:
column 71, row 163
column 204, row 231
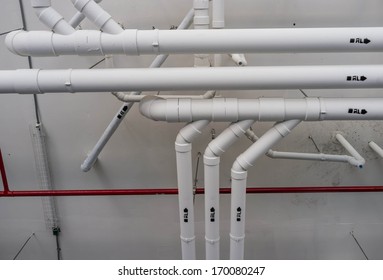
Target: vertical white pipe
column 183, row 147
column 97, row 16
column 125, row 108
column 211, row 170
column 51, row 18
column 350, row 149
column 239, row 183
column 218, row 22
column 376, row 148
column 201, row 21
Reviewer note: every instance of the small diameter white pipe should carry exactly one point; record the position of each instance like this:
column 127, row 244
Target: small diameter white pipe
column 138, row 98
column 125, row 108
column 201, row 22
column 140, row 42
column 98, row 16
column 306, row 156
column 217, row 78
column 211, row 170
column 359, row 160
column 239, row 59
column 239, row 182
column 262, row 109
column 78, row 18
column 218, row 22
column 376, row 148
column 50, row 17
column 183, row 148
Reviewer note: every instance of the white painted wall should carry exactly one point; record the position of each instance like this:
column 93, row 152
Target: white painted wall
column 141, row 155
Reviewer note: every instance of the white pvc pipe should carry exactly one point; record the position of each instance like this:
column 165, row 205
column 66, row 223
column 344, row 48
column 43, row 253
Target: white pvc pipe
column 319, row 157
column 97, row 16
column 307, row 156
column 211, row 170
column 183, row 148
column 139, row 42
column 239, row 59
column 218, row 22
column 78, row 18
column 351, row 150
column 262, row 109
column 239, row 182
column 376, row 148
column 125, row 108
column 50, row 17
column 213, row 78
column 201, row 22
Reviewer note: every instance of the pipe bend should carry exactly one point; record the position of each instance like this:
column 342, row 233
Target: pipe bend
column 189, row 132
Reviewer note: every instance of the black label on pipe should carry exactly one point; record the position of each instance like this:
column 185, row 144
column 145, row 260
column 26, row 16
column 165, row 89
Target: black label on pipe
column 212, row 214
column 365, row 41
column 239, row 214
column 356, row 78
column 357, row 111
column 186, row 215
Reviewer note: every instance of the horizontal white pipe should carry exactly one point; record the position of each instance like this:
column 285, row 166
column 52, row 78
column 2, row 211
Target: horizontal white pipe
column 262, row 109
column 183, row 146
column 307, row 156
column 211, row 170
column 138, row 42
column 138, row 98
column 125, row 108
column 359, row 159
column 319, row 157
column 97, row 16
column 376, row 148
column 50, row 17
column 215, row 78
column 239, row 183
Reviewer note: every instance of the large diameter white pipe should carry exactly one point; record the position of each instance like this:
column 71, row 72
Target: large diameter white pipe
column 183, row 148
column 262, row 109
column 134, row 42
column 239, row 182
column 211, row 170
column 50, row 17
column 125, row 108
column 97, row 16
column 217, row 78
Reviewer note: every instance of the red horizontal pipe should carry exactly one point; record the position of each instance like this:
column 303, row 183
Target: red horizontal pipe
column 3, row 174
column 128, row 192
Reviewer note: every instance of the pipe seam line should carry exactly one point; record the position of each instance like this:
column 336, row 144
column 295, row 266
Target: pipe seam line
column 187, row 240
column 211, row 160
column 237, row 238
column 212, row 241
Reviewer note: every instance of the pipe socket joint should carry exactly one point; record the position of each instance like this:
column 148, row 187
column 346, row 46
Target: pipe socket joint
column 237, row 173
column 211, row 161
column 183, row 148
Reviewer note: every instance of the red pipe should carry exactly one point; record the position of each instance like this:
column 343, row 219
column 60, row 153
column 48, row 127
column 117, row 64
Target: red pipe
column 3, row 175
column 33, row 193
column 128, row 192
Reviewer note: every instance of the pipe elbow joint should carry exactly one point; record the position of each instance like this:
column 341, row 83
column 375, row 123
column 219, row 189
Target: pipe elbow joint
column 152, row 108
column 357, row 162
